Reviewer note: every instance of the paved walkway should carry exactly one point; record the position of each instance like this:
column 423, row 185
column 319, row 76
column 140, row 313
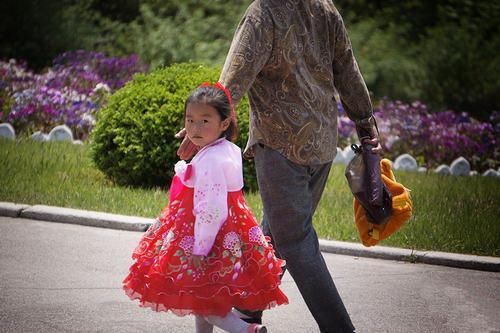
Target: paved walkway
column 134, row 223
column 58, row 277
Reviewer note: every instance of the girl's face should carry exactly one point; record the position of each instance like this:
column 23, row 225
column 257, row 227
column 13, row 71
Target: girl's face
column 204, row 124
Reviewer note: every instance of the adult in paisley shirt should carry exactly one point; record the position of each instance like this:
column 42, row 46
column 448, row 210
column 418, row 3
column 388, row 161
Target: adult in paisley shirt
column 290, row 57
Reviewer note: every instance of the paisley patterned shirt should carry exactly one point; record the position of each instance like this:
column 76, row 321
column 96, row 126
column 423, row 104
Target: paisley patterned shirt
column 291, row 56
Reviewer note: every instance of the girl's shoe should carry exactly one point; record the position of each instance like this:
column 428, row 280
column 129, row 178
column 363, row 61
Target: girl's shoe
column 256, row 328
column 251, row 317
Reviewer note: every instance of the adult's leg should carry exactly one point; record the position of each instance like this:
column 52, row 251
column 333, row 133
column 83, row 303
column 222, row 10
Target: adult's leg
column 290, row 194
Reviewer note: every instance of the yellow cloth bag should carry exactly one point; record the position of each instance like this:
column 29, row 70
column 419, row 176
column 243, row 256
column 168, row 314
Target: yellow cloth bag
column 402, row 206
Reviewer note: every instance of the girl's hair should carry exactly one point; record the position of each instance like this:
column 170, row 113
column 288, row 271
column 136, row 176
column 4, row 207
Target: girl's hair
column 216, row 98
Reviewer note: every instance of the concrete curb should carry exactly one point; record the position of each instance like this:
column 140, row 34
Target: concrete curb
column 11, row 209
column 135, row 223
column 87, row 218
column 482, row 263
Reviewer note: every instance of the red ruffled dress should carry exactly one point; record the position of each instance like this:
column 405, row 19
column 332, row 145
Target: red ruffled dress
column 240, row 268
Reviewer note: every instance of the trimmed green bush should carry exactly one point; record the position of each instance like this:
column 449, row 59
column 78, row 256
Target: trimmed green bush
column 133, row 141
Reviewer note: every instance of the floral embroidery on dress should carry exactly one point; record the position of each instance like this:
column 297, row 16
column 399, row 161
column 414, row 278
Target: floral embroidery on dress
column 234, row 217
column 167, row 239
column 256, row 236
column 232, row 242
column 153, row 227
column 164, row 214
column 186, row 244
column 238, row 253
column 210, row 216
column 207, row 214
column 180, row 214
column 199, row 194
column 216, row 189
column 173, row 206
column 238, row 266
column 242, row 207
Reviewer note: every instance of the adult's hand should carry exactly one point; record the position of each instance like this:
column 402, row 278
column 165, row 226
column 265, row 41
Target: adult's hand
column 376, row 146
column 187, row 149
column 368, row 134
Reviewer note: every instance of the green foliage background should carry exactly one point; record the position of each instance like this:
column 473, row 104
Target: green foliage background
column 133, row 142
column 441, row 52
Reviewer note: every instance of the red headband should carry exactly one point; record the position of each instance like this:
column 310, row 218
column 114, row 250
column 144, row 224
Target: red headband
column 219, row 86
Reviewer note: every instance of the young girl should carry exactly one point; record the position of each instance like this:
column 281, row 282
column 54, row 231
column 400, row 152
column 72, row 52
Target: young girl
column 205, row 253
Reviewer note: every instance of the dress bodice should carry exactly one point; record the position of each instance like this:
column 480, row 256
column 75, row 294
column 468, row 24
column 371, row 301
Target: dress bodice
column 218, row 162
column 212, row 173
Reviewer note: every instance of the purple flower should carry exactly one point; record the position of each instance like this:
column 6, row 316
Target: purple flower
column 435, row 138
column 71, row 92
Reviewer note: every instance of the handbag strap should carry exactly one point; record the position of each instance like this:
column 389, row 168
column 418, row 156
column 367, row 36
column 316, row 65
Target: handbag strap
column 356, row 149
column 378, row 132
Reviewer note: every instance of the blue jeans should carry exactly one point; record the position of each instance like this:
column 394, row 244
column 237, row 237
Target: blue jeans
column 290, row 194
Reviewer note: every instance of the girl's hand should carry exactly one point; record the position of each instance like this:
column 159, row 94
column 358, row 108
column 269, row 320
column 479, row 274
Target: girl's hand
column 187, row 149
column 198, row 261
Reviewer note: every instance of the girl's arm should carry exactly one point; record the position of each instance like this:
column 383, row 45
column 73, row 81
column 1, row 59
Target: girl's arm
column 210, row 204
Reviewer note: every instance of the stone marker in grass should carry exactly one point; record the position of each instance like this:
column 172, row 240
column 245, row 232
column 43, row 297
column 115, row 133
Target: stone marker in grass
column 61, row 133
column 460, row 167
column 7, row 131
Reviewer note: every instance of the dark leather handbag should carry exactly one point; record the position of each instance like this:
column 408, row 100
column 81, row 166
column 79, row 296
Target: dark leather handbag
column 365, row 181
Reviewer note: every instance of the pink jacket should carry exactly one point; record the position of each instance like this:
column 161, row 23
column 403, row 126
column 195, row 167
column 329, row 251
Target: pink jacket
column 214, row 171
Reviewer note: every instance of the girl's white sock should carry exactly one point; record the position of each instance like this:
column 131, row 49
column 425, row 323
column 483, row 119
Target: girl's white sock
column 203, row 326
column 240, row 314
column 230, row 323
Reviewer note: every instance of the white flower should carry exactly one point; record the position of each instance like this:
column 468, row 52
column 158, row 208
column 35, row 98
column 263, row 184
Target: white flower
column 102, row 86
column 88, row 119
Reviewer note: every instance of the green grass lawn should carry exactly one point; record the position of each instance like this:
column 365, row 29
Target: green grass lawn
column 452, row 214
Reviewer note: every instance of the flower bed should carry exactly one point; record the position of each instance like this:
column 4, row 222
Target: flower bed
column 432, row 138
column 79, row 83
column 70, row 92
